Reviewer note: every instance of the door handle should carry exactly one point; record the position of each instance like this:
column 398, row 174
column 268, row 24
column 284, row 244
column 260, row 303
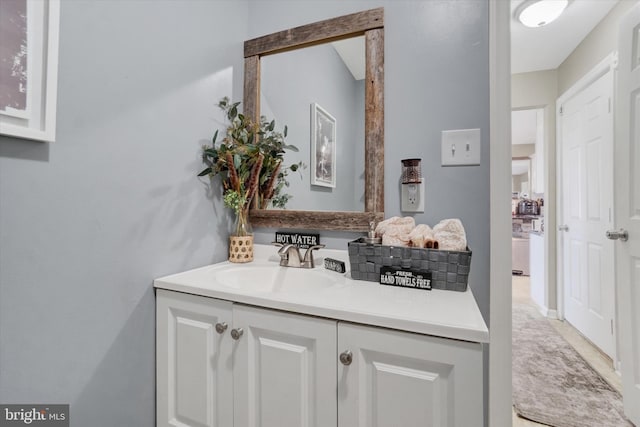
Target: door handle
column 622, row 235
column 563, row 228
column 236, row 333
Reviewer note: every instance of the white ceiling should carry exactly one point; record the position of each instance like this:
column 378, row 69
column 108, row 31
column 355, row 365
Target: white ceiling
column 352, row 52
column 545, row 48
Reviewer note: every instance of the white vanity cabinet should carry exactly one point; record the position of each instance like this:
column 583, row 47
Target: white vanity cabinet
column 284, row 369
column 409, row 380
column 222, row 364
column 272, row 368
column 194, row 378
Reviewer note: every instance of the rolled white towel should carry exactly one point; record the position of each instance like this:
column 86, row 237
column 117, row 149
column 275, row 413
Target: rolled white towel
column 450, row 235
column 395, row 237
column 420, row 236
column 395, row 224
column 382, row 226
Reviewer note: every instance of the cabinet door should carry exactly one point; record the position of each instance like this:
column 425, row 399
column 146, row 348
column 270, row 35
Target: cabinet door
column 285, row 369
column 409, row 380
column 193, row 361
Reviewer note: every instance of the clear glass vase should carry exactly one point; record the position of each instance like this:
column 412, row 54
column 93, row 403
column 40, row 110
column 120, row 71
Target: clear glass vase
column 242, row 226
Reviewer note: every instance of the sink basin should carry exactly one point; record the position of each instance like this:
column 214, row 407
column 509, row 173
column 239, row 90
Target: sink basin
column 274, row 279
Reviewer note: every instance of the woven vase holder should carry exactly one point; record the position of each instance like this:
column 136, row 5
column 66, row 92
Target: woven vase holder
column 240, row 249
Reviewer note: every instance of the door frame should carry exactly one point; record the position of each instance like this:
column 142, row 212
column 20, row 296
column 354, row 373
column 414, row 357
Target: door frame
column 608, row 64
column 499, row 405
column 625, row 131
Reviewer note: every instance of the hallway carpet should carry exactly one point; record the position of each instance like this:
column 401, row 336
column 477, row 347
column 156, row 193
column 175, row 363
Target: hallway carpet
column 552, row 384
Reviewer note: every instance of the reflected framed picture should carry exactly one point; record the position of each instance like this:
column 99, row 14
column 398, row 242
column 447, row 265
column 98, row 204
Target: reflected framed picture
column 323, row 147
column 29, row 68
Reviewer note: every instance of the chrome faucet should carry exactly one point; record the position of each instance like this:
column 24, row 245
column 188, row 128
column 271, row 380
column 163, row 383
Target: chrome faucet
column 290, row 256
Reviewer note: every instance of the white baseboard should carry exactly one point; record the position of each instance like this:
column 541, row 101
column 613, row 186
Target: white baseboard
column 551, row 314
column 618, row 368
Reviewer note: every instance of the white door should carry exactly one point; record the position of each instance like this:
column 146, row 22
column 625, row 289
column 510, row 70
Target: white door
column 587, row 202
column 193, row 366
column 390, row 379
column 627, row 203
column 285, row 369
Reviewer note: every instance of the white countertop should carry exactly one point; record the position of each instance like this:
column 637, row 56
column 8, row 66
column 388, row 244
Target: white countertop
column 440, row 313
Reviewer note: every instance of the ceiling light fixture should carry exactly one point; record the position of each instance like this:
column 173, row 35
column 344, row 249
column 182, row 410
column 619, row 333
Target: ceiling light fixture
column 538, row 13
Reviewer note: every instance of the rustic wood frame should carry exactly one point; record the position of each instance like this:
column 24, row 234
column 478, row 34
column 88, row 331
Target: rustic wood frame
column 369, row 23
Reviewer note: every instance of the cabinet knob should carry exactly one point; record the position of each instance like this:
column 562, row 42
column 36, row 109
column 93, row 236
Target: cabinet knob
column 236, row 333
column 221, row 327
column 346, row 358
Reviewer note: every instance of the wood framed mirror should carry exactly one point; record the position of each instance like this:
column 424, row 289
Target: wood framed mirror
column 369, row 24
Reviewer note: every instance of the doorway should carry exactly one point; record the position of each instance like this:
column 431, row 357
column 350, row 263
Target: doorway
column 581, row 186
column 543, row 90
column 527, row 194
column 502, row 102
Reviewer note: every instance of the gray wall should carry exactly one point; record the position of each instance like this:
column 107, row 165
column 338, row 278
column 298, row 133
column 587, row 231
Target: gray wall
column 290, row 83
column 87, row 222
column 436, row 78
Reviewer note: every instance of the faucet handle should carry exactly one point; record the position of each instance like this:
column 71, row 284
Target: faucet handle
column 283, row 250
column 308, row 255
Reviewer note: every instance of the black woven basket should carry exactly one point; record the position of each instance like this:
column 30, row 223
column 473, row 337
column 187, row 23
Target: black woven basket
column 449, row 269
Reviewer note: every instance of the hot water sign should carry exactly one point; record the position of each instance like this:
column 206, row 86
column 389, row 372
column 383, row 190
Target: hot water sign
column 301, row 240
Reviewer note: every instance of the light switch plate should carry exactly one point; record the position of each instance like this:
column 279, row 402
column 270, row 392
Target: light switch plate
column 461, row 147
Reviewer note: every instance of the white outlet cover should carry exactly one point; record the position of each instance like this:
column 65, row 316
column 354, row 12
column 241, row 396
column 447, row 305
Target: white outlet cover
column 412, row 197
column 461, row 147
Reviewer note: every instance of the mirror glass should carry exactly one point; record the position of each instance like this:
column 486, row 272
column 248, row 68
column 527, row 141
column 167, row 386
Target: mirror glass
column 319, row 93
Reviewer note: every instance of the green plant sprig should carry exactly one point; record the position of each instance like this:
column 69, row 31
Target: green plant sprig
column 235, row 201
column 240, row 150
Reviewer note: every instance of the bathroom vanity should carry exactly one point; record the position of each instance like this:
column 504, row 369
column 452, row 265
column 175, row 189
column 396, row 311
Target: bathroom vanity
column 264, row 345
